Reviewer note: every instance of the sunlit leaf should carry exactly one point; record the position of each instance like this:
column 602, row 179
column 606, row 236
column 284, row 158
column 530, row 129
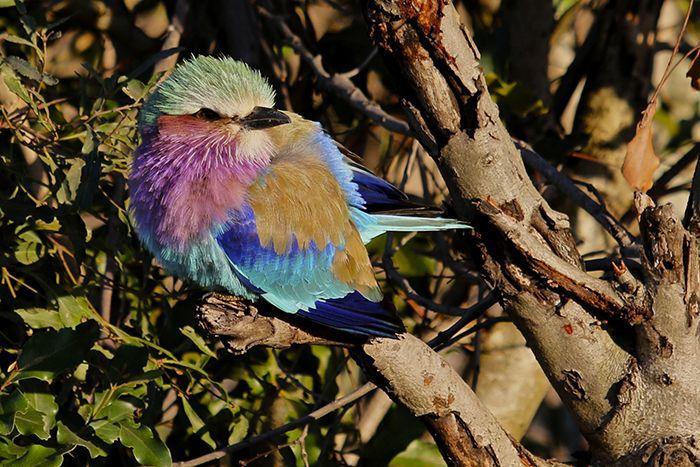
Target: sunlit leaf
column 197, row 340
column 135, row 89
column 238, row 430
column 73, row 310
column 15, row 86
column 39, row 455
column 31, row 422
column 38, row 318
column 65, row 435
column 419, row 454
column 43, row 404
column 30, row 248
column 641, row 160
column 147, row 449
column 105, row 430
column 17, row 39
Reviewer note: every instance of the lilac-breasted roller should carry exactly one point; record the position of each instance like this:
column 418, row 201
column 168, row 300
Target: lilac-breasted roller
column 239, row 197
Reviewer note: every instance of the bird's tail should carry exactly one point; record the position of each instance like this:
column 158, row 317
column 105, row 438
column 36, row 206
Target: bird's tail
column 394, row 223
column 373, row 225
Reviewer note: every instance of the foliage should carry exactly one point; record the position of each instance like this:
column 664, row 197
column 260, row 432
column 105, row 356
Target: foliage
column 101, row 358
column 101, row 361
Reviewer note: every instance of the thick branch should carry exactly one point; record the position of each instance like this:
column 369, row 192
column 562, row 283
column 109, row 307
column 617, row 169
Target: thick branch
column 459, row 124
column 405, row 367
column 241, row 327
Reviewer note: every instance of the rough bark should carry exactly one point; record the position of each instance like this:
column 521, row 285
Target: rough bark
column 575, row 325
column 621, row 352
column 405, row 367
column 439, row 61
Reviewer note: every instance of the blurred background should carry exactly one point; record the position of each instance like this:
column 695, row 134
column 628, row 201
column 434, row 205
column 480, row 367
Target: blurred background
column 113, row 366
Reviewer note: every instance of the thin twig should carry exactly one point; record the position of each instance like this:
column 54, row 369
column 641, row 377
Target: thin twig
column 599, row 212
column 661, row 184
column 303, row 421
column 407, row 289
column 337, row 84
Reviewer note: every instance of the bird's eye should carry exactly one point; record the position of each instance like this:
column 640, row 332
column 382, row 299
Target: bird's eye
column 207, row 114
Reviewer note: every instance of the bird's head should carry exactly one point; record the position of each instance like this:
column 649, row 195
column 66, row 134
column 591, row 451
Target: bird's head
column 213, row 105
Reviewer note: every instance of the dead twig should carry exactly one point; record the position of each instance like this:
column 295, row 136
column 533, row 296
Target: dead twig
column 567, row 186
column 338, row 84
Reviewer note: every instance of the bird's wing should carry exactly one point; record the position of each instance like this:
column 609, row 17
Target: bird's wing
column 296, row 245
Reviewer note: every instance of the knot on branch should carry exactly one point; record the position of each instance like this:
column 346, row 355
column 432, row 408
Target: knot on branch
column 536, row 257
column 242, row 325
column 676, row 451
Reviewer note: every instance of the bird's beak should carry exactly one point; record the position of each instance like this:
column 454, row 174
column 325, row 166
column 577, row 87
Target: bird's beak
column 264, row 117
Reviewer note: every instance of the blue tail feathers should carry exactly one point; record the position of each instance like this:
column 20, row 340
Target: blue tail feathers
column 356, row 315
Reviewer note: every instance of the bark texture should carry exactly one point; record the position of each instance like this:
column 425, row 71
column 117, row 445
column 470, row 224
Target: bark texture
column 576, row 325
column 406, row 368
column 621, row 351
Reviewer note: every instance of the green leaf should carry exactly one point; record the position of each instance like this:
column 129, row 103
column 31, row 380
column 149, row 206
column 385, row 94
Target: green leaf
column 30, row 248
column 7, row 3
column 31, row 422
column 69, row 189
column 147, row 449
column 73, row 310
column 197, row 424
column 119, row 410
column 135, row 89
column 10, row 450
column 37, row 318
column 50, row 353
column 39, row 455
column 43, row 404
column 239, row 430
column 26, row 69
column 105, row 430
column 9, row 406
column 23, row 67
column 419, row 454
column 89, row 143
column 17, row 39
column 65, row 435
column 197, row 340
column 15, row 86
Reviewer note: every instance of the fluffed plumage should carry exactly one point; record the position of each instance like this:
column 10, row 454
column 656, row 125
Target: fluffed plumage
column 238, row 197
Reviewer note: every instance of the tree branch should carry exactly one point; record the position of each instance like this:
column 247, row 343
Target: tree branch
column 567, row 187
column 405, row 367
column 459, row 125
column 338, row 84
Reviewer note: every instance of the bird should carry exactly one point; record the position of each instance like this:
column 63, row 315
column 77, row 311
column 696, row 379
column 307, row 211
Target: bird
column 236, row 196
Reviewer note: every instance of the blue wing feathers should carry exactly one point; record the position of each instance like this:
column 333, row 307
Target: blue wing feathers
column 378, row 194
column 301, row 282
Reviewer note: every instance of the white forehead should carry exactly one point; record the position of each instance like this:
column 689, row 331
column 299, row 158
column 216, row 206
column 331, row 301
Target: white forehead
column 225, row 85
